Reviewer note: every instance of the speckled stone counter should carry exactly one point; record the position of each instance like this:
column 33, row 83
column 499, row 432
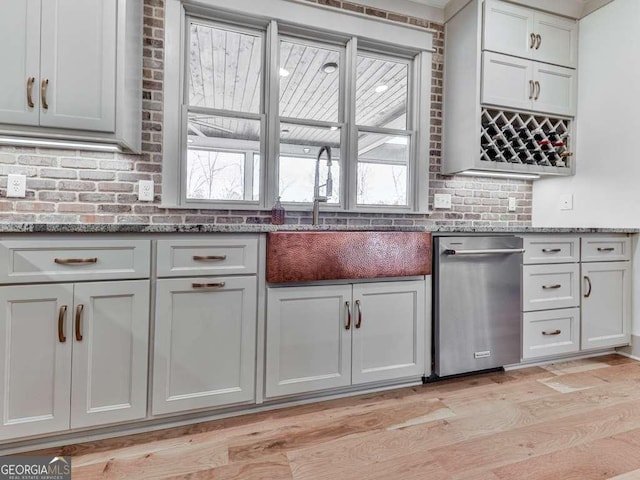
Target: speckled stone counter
column 8, row 228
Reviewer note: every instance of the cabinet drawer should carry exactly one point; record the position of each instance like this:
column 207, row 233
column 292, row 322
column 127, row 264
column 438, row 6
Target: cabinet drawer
column 605, row 249
column 551, row 332
column 556, row 249
column 551, row 286
column 221, row 255
column 61, row 259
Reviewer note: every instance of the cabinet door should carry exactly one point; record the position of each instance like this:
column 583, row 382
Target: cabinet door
column 308, row 342
column 388, row 335
column 20, row 57
column 78, row 64
column 606, row 304
column 35, row 359
column 205, row 343
column 111, row 338
column 558, row 40
column 507, row 81
column 555, row 89
column 508, row 29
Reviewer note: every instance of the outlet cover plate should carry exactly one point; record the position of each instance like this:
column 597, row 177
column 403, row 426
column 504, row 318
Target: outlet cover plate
column 566, row 201
column 16, row 186
column 442, row 200
column 512, row 204
column 146, row 190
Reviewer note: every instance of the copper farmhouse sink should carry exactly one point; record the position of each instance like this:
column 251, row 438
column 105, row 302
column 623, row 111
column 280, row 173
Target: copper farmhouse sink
column 315, row 256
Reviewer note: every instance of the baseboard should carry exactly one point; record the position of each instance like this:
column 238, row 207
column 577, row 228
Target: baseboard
column 633, row 349
column 559, row 358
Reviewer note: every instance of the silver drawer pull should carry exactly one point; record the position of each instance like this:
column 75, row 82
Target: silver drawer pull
column 208, row 285
column 553, row 332
column 209, row 258
column 551, row 250
column 494, row 251
column 551, row 287
column 606, row 249
column 75, row 261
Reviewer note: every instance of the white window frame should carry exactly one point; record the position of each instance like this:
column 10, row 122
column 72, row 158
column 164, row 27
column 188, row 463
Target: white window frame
column 360, row 34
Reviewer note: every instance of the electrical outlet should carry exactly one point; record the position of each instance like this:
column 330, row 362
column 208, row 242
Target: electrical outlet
column 442, row 200
column 566, row 201
column 16, row 185
column 145, row 190
column 512, row 204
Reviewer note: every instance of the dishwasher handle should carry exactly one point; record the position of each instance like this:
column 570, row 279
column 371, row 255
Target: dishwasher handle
column 491, row 251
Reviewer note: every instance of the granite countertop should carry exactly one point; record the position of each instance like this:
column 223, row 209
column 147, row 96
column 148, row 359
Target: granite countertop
column 245, row 228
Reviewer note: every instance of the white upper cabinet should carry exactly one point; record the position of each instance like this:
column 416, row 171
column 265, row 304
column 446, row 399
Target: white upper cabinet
column 63, row 61
column 527, row 33
column 508, row 29
column 558, row 40
column 507, row 81
column 78, row 64
column 19, row 53
column 555, row 89
column 512, row 82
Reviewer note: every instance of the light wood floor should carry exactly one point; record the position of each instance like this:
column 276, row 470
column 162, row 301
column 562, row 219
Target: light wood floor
column 574, row 420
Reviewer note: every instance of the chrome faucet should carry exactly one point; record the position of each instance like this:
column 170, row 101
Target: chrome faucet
column 316, row 184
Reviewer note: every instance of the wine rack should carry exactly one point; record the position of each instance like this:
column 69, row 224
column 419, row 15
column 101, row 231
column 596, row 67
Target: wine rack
column 525, row 139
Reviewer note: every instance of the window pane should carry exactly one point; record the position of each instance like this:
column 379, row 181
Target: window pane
column 309, row 82
column 224, row 69
column 221, row 161
column 382, row 174
column 299, row 147
column 381, row 93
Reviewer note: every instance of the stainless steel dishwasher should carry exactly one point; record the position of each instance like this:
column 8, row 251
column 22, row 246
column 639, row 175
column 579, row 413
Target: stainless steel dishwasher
column 477, row 303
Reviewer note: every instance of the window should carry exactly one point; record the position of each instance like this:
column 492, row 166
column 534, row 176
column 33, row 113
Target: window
column 260, row 100
column 384, row 138
column 224, row 92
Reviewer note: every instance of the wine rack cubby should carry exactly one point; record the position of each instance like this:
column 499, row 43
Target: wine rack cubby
column 525, row 139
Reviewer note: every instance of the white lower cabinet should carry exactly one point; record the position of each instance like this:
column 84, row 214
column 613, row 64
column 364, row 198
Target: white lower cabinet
column 205, row 343
column 321, row 337
column 110, row 351
column 606, row 304
column 94, row 335
column 550, row 332
column 388, row 341
column 591, row 273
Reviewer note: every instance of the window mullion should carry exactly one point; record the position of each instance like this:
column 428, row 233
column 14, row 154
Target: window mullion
column 271, row 144
column 422, row 124
column 351, row 134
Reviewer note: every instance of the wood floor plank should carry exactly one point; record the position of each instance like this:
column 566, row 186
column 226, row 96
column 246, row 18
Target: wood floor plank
column 534, row 440
column 595, row 460
column 632, row 475
column 182, row 459
column 573, row 382
column 274, row 467
column 326, row 461
column 293, row 437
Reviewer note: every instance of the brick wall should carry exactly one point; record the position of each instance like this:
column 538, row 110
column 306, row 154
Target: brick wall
column 68, row 186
